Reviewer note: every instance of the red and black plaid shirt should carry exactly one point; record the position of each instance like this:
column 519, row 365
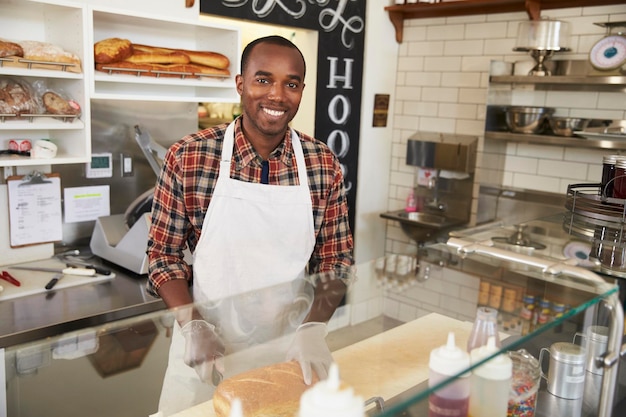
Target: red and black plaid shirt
column 185, row 186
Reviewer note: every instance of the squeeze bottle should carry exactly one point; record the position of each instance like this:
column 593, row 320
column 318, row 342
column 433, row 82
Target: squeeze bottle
column 236, row 410
column 485, row 325
column 411, row 203
column 490, row 382
column 451, row 400
column 327, row 398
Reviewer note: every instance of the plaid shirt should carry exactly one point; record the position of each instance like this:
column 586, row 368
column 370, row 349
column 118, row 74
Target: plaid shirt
column 187, row 181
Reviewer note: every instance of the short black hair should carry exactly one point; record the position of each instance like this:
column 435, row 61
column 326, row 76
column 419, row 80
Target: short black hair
column 273, row 40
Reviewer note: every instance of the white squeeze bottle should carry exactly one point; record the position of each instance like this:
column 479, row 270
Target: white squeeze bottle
column 328, row 399
column 490, row 382
column 236, row 410
column 452, row 399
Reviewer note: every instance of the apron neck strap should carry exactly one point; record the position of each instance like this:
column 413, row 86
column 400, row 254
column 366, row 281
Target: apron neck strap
column 227, row 153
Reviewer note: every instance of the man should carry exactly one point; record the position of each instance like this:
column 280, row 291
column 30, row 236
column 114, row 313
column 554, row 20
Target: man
column 257, row 203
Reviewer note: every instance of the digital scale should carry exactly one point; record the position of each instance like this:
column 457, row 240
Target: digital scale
column 609, row 53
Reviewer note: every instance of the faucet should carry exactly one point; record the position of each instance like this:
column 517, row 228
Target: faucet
column 433, row 184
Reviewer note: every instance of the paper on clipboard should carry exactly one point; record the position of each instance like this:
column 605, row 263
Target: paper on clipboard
column 34, row 209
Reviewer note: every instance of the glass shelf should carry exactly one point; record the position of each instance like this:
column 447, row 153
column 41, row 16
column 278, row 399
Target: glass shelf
column 115, row 355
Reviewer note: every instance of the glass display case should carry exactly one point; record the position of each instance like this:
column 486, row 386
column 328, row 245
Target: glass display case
column 117, row 368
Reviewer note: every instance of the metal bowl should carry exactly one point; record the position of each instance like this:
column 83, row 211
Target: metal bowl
column 566, row 126
column 527, row 119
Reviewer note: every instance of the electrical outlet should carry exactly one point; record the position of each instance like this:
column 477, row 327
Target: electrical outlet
column 126, row 162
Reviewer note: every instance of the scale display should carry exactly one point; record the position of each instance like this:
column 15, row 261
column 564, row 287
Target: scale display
column 609, row 52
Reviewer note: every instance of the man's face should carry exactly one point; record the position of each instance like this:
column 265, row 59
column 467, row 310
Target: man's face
column 271, row 89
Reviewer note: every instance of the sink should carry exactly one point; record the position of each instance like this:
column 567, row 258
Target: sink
column 423, row 226
column 420, row 217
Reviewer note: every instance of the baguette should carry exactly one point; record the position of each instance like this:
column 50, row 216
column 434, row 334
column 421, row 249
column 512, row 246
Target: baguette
column 273, row 390
column 161, row 70
column 207, row 58
column 158, row 58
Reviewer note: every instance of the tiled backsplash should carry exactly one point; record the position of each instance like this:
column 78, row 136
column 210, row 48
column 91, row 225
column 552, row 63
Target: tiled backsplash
column 370, row 297
column 443, row 86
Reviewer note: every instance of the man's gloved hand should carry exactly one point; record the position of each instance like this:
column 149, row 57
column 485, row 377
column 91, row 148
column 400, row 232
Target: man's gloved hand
column 310, row 349
column 203, row 350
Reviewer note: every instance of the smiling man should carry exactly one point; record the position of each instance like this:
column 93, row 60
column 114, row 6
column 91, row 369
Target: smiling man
column 263, row 209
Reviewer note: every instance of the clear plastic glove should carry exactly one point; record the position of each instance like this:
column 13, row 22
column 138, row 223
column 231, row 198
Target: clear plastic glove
column 309, row 348
column 203, row 350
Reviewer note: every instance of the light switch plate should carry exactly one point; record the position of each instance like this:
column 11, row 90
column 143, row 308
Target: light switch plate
column 127, row 165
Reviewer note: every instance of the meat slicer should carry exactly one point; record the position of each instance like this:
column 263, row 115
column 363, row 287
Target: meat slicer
column 123, row 238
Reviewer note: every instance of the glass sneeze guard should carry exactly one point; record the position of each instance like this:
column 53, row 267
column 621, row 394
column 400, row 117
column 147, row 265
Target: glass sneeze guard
column 124, row 360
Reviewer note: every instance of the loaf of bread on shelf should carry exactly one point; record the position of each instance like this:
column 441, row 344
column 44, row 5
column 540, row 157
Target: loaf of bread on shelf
column 8, row 48
column 273, row 390
column 162, row 70
column 208, row 58
column 17, row 97
column 158, row 58
column 111, row 50
column 56, row 104
column 48, row 52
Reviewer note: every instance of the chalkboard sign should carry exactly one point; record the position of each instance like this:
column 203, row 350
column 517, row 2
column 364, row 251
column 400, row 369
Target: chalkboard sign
column 341, row 33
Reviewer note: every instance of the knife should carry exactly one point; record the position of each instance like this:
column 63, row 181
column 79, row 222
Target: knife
column 53, row 281
column 98, row 269
column 87, row 272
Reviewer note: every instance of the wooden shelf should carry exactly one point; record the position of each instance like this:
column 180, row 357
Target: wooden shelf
column 400, row 12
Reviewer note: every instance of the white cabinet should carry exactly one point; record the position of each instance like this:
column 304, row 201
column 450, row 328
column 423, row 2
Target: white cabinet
column 65, row 26
column 76, row 26
column 175, row 34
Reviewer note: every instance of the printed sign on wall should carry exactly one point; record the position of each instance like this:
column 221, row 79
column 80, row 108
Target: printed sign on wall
column 341, row 33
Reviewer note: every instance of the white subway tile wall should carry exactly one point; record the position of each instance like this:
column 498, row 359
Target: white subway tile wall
column 443, row 86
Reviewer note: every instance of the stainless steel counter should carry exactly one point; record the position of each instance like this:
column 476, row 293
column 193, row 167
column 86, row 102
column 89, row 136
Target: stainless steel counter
column 38, row 316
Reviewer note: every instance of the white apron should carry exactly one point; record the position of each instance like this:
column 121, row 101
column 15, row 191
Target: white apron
column 248, row 269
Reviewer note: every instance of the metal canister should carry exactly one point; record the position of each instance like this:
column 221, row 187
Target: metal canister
column 608, row 174
column 619, row 183
column 566, row 371
column 595, row 342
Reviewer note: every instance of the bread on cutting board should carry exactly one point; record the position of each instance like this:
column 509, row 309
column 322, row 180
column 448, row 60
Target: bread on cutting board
column 273, row 390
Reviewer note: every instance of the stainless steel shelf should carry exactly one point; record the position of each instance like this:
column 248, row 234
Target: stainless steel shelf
column 566, row 82
column 576, row 142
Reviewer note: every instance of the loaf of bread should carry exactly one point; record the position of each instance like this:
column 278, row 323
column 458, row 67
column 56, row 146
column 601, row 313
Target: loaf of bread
column 163, row 70
column 10, row 49
column 17, row 97
column 56, row 104
column 111, row 50
column 208, row 58
column 273, row 390
column 48, row 52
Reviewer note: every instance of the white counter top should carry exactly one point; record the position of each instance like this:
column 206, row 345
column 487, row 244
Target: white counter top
column 387, row 364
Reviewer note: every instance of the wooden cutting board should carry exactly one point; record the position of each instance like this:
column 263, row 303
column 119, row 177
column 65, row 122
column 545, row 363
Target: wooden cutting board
column 33, row 282
column 387, row 364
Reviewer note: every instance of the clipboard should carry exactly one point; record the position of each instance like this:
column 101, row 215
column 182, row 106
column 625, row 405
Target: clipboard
column 35, row 215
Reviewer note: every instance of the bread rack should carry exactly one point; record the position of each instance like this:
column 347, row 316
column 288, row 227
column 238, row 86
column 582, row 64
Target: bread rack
column 600, row 220
column 111, row 70
column 30, row 117
column 14, row 61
